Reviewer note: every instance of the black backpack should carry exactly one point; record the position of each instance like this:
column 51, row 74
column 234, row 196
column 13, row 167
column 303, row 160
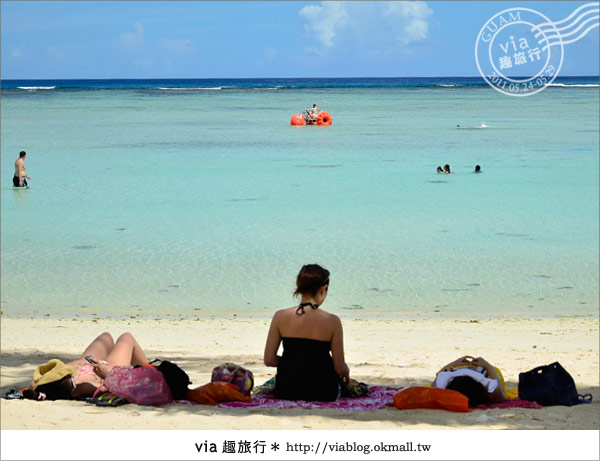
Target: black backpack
column 177, row 379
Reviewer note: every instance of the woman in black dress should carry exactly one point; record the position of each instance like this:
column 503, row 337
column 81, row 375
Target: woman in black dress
column 306, row 370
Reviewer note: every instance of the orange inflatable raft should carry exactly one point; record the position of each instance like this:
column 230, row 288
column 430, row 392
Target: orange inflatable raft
column 308, row 118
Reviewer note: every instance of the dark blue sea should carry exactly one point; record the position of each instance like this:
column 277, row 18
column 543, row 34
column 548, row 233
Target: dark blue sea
column 277, row 83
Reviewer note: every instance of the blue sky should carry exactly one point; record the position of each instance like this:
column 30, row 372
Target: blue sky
column 169, row 39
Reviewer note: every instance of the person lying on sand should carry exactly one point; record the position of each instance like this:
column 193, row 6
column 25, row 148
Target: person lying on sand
column 473, row 377
column 80, row 378
column 306, row 370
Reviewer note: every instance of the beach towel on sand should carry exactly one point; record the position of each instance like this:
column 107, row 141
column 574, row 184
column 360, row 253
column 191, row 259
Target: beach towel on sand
column 380, row 397
column 513, row 403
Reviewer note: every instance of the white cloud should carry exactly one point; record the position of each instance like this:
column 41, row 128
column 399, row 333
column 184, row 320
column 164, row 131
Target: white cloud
column 323, row 22
column 133, row 39
column 373, row 26
column 412, row 19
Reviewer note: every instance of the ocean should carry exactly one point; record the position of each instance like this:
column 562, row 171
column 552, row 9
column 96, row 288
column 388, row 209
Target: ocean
column 152, row 197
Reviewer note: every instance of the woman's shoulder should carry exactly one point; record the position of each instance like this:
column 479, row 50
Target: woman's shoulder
column 283, row 315
column 332, row 321
column 329, row 315
column 284, row 312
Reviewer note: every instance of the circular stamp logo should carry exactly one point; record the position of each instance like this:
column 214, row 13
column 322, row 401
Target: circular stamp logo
column 519, row 52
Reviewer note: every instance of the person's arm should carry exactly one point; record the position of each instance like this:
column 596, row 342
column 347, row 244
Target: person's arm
column 498, row 396
column 337, row 350
column 270, row 357
column 102, row 369
column 464, row 360
column 83, row 390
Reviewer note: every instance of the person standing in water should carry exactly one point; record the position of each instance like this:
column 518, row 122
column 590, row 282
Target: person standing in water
column 20, row 177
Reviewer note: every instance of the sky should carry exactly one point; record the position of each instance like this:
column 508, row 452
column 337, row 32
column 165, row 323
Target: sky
column 248, row 39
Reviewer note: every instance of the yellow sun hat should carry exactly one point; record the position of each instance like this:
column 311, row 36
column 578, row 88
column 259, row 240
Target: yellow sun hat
column 51, row 371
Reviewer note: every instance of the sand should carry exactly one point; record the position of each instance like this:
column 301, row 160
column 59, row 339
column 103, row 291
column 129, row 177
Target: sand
column 397, row 351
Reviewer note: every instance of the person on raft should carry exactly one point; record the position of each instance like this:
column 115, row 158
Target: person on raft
column 311, row 114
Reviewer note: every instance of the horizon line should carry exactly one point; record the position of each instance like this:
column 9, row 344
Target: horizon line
column 262, row 78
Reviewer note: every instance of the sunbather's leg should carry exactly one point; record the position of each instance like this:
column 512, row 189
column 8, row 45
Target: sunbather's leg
column 126, row 351
column 100, row 347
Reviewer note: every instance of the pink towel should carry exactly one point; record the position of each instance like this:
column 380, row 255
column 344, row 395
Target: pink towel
column 514, row 403
column 380, row 397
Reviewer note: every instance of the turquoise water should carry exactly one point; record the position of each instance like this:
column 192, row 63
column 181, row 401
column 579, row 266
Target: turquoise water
column 166, row 201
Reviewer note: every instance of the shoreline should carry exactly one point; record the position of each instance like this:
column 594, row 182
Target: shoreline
column 427, row 313
column 398, row 352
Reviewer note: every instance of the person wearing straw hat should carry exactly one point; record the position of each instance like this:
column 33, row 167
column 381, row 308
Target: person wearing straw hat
column 56, row 380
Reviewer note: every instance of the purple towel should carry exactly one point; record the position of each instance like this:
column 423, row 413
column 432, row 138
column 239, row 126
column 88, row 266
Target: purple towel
column 380, row 397
column 514, row 403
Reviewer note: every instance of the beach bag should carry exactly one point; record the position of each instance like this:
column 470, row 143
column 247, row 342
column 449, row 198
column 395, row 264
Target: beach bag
column 431, row 398
column 354, row 389
column 217, row 392
column 177, row 379
column 550, row 385
column 141, row 385
column 234, row 374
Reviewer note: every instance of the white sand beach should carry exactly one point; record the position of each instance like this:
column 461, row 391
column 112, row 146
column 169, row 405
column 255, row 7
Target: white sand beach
column 394, row 351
